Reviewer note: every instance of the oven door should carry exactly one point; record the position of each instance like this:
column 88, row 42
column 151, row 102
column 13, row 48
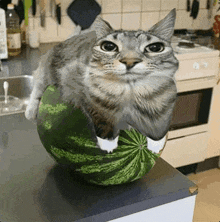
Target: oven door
column 191, row 109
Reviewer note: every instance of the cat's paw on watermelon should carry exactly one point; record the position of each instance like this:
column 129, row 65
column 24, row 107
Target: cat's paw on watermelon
column 156, row 146
column 107, row 145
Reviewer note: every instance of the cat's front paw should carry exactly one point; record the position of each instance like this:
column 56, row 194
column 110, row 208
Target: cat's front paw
column 156, row 146
column 31, row 110
column 107, row 145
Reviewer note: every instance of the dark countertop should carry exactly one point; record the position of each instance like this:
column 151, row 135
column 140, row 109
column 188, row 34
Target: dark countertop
column 202, row 37
column 34, row 188
column 25, row 62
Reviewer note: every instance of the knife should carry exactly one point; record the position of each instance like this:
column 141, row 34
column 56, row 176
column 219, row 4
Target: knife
column 188, row 6
column 208, row 4
column 34, row 7
column 42, row 12
column 195, row 9
column 58, row 11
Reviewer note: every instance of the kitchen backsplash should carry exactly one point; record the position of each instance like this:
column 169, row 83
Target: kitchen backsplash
column 125, row 14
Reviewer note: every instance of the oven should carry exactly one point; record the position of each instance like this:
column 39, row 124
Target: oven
column 196, row 78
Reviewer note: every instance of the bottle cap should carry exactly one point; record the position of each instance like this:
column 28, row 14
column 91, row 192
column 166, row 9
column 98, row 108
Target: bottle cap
column 10, row 6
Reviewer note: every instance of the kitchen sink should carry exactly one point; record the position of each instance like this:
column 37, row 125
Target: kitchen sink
column 19, row 90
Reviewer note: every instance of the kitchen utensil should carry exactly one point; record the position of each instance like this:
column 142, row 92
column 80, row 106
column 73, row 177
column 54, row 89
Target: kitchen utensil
column 43, row 12
column 83, row 12
column 55, row 10
column 34, row 7
column 195, row 9
column 19, row 8
column 188, row 6
column 58, row 11
column 208, row 4
column 27, row 5
column 211, row 2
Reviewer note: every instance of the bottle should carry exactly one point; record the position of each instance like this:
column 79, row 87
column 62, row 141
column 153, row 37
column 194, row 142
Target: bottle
column 3, row 36
column 13, row 31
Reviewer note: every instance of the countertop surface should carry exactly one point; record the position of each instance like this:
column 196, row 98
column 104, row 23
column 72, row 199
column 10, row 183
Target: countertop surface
column 25, row 62
column 34, row 188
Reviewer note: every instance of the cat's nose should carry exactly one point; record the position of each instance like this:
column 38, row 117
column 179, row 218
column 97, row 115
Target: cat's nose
column 130, row 63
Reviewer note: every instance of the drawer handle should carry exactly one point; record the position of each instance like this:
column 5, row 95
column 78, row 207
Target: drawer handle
column 196, row 65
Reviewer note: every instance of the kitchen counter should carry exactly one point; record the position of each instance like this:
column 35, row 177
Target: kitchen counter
column 25, row 62
column 203, row 38
column 34, row 188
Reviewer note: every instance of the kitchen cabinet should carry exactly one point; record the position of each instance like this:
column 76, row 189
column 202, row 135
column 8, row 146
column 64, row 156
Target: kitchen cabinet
column 186, row 150
column 214, row 125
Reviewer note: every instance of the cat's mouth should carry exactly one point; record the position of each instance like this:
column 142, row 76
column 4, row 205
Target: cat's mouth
column 131, row 76
column 133, row 73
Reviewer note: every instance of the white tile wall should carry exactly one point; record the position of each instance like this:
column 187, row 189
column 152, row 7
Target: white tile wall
column 111, row 6
column 131, row 21
column 151, row 5
column 149, row 19
column 169, row 4
column 114, row 19
column 126, row 14
column 131, row 5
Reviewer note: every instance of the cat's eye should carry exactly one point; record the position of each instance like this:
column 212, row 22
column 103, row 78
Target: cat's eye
column 109, row 46
column 155, row 47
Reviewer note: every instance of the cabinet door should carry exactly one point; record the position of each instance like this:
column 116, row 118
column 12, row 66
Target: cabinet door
column 214, row 125
column 186, row 150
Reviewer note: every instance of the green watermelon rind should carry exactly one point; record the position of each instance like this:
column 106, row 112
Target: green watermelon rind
column 57, row 124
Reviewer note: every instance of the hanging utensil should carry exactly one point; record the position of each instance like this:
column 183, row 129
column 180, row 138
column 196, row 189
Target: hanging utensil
column 27, row 5
column 208, row 4
column 211, row 4
column 83, row 12
column 19, row 8
column 195, row 9
column 42, row 12
column 58, row 11
column 188, row 6
column 34, row 7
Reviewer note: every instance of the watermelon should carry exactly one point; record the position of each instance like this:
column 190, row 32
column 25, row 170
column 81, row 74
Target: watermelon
column 66, row 135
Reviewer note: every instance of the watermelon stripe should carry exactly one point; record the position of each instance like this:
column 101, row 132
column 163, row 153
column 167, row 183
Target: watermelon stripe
column 131, row 134
column 100, row 177
column 107, row 167
column 137, row 136
column 124, row 175
column 127, row 141
column 143, row 169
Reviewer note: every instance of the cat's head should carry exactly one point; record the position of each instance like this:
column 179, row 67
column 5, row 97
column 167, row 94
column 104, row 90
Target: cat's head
column 133, row 54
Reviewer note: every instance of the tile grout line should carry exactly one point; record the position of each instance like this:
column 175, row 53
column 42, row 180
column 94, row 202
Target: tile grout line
column 140, row 26
column 121, row 13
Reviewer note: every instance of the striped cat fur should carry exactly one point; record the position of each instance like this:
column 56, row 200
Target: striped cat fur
column 118, row 78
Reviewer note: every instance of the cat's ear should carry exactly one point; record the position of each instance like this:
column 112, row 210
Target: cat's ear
column 164, row 28
column 101, row 27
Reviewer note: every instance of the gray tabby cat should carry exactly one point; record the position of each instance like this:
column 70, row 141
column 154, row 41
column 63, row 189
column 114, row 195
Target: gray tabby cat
column 117, row 78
